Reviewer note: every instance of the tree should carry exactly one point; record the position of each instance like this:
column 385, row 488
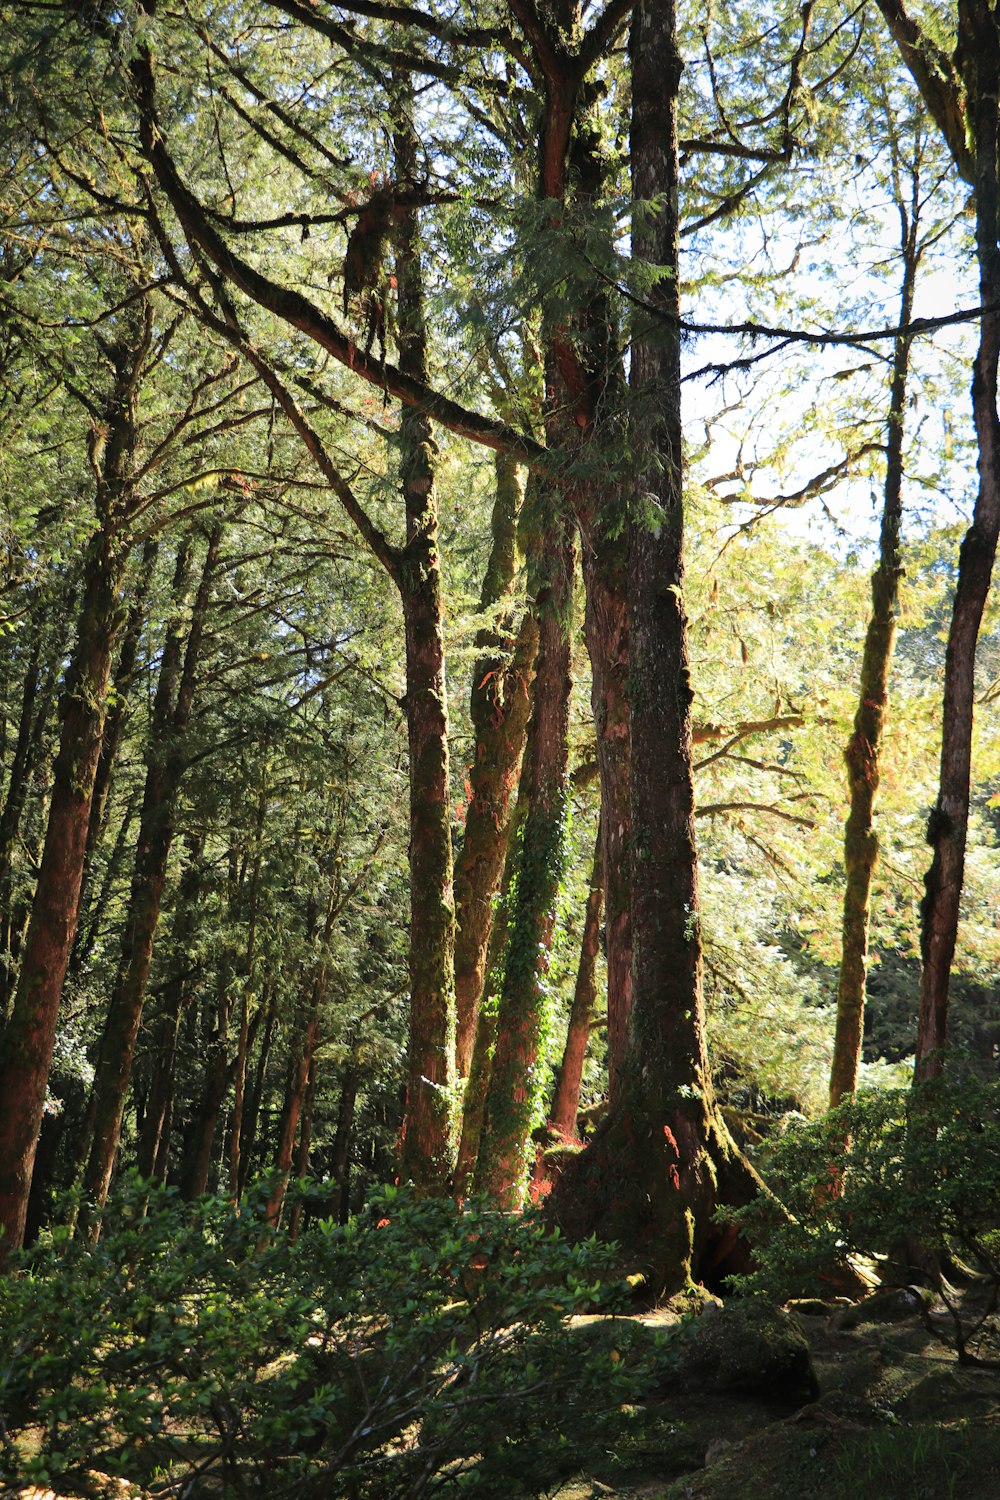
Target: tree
column 960, row 94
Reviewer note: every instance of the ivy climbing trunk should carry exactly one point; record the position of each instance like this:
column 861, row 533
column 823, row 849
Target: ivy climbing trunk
column 663, row 1161
column 513, row 1096
column 29, row 1037
column 499, row 708
column 424, row 1155
column 864, row 748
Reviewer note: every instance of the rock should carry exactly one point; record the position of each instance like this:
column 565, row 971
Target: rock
column 812, row 1307
column 891, row 1305
column 746, row 1349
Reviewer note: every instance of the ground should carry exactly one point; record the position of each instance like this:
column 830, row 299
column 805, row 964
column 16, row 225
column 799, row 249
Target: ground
column 894, row 1416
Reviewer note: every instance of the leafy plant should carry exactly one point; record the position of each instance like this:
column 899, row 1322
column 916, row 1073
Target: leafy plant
column 908, row 1176
column 194, row 1351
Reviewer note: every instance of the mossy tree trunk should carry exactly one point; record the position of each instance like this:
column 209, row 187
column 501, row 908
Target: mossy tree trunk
column 864, row 748
column 513, row 1097
column 424, row 1151
column 500, row 704
column 477, row 1083
column 29, row 1036
column 663, row 1162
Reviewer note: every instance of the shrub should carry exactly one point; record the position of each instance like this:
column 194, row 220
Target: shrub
column 908, row 1176
column 192, row 1351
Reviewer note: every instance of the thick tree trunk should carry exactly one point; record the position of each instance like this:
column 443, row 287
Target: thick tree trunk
column 864, row 749
column 29, row 1036
column 663, row 1162
column 175, row 690
column 948, row 826
column 29, row 748
column 116, row 720
column 424, row 1146
column 565, row 1106
column 513, row 1098
column 605, row 577
column 477, row 1083
column 499, row 708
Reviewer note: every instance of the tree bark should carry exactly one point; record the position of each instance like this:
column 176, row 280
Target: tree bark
column 175, row 691
column 562, row 1116
column 424, row 1146
column 864, row 748
column 513, row 1097
column 499, row 708
column 155, row 1134
column 663, row 1161
column 198, row 1166
column 29, row 1036
column 948, row 826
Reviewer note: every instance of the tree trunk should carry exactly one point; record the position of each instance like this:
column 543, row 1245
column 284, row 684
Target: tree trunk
column 948, row 826
column 864, row 749
column 117, row 717
column 477, row 1083
column 248, row 1134
column 340, row 1155
column 499, row 709
column 566, row 1104
column 663, row 1161
column 302, row 1150
column 165, row 769
column 605, row 575
column 29, row 747
column 155, row 1135
column 424, row 1145
column 198, row 1167
column 29, row 1036
column 513, row 1098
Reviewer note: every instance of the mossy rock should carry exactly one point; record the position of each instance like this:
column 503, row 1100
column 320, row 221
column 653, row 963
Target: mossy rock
column 749, row 1349
column 890, row 1305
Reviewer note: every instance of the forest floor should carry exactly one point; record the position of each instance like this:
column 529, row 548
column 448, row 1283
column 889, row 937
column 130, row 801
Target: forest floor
column 892, row 1415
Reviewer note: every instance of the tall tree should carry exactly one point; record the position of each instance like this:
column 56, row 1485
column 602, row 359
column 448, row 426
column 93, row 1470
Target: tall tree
column 664, row 1162
column 961, row 93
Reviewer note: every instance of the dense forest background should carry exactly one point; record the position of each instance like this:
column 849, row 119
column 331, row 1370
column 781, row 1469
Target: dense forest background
column 458, row 462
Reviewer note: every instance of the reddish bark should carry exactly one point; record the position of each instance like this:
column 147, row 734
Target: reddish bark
column 499, row 708
column 30, row 1034
column 663, row 1161
column 562, row 1116
column 171, row 713
column 948, row 826
column 514, row 1093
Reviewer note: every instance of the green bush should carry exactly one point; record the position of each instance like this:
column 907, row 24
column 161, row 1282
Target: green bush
column 193, row 1351
column 917, row 1171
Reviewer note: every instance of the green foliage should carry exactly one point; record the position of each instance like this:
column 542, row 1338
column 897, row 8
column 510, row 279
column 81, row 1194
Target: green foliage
column 194, row 1350
column 917, row 1171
